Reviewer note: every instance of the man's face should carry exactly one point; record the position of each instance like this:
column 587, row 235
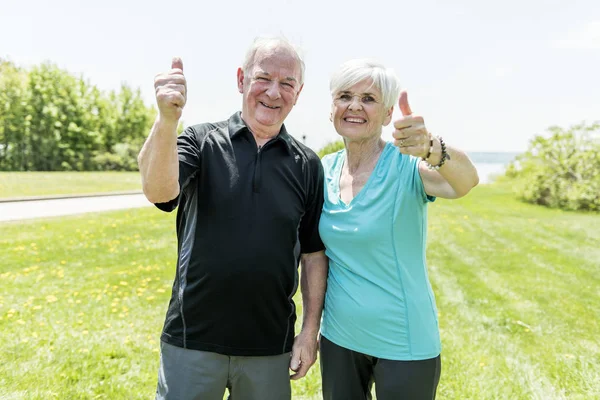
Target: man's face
column 271, row 88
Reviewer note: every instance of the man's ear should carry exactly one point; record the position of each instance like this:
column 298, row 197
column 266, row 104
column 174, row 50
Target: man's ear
column 388, row 117
column 240, row 80
column 298, row 94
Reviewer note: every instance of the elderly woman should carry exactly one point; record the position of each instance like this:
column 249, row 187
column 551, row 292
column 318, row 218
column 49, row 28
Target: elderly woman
column 380, row 320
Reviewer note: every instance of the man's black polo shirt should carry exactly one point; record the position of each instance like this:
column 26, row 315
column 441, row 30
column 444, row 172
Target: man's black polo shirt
column 245, row 215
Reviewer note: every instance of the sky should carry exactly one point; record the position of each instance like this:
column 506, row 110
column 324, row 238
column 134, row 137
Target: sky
column 485, row 75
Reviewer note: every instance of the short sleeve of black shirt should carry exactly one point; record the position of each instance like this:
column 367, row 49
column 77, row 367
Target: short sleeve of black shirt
column 310, row 240
column 188, row 150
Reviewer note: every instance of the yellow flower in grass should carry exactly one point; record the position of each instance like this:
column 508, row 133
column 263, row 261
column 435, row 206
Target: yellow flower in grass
column 51, row 298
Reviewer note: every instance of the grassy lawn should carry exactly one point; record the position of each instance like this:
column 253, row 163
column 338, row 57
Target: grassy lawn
column 82, row 302
column 21, row 184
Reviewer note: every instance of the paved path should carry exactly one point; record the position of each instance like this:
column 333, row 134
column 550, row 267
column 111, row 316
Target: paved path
column 18, row 210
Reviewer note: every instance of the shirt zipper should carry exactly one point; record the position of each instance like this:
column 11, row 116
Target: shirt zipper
column 257, row 172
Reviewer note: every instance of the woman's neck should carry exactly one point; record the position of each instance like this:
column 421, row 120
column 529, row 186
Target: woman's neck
column 363, row 154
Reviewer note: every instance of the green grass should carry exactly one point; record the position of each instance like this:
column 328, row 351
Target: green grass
column 82, row 302
column 517, row 291
column 22, row 184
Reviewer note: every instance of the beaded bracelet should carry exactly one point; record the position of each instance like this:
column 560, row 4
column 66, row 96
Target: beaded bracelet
column 430, row 147
column 445, row 155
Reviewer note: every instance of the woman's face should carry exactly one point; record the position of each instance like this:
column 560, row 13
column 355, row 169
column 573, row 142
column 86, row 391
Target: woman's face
column 358, row 112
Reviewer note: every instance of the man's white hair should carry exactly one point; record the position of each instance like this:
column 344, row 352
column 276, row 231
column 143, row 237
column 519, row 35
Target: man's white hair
column 272, row 42
column 354, row 71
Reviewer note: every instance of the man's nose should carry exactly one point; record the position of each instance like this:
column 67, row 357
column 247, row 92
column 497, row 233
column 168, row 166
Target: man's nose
column 273, row 90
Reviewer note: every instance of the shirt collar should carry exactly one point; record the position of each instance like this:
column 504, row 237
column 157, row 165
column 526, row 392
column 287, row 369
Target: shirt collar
column 237, row 126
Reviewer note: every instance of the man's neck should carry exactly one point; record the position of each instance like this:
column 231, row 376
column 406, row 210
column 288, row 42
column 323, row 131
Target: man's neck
column 262, row 134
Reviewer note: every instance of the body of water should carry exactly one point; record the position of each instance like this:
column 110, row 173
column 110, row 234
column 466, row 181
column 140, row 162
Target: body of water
column 491, row 164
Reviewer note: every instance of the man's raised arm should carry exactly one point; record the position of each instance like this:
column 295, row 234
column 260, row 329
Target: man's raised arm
column 158, row 160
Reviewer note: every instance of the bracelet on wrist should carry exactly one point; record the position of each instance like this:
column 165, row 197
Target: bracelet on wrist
column 430, row 147
column 442, row 159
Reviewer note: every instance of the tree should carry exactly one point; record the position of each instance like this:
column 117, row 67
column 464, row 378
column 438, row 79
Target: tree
column 51, row 120
column 13, row 82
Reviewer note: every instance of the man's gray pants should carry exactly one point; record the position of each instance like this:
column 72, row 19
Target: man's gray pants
column 186, row 374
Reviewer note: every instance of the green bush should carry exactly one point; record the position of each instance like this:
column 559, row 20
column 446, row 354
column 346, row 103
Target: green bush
column 122, row 158
column 331, row 148
column 562, row 170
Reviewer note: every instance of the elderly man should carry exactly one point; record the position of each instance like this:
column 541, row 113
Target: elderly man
column 249, row 198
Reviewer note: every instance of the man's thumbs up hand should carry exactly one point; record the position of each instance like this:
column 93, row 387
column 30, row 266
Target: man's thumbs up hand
column 171, row 92
column 177, row 63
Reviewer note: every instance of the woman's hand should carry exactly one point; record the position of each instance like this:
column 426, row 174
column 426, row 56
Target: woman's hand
column 410, row 134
